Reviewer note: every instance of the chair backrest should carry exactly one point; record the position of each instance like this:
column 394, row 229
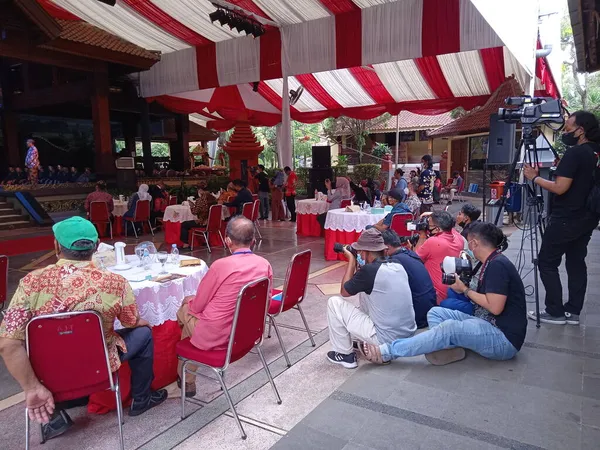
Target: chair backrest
column 461, row 185
column 78, row 372
column 99, row 212
column 255, row 210
column 255, row 197
column 142, row 211
column 3, row 280
column 215, row 217
column 296, row 280
column 399, row 223
column 345, row 203
column 172, row 200
column 249, row 318
column 248, row 210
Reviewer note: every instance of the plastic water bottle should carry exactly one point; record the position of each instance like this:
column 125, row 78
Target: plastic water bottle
column 146, row 260
column 174, row 254
column 316, row 194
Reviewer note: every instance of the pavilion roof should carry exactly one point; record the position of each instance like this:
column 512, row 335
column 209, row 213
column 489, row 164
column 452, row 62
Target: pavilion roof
column 412, row 122
column 478, row 120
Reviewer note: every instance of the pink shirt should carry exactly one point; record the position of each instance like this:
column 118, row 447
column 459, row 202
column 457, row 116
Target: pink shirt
column 433, row 252
column 214, row 304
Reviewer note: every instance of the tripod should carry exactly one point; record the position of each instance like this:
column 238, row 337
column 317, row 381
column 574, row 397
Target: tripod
column 534, row 207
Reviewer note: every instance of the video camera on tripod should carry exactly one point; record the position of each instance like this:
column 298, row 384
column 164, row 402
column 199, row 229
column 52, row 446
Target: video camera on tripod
column 532, row 111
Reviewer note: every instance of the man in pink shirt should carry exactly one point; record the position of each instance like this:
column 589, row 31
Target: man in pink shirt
column 207, row 317
column 439, row 241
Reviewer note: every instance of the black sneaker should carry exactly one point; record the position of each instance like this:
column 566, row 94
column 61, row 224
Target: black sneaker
column 547, row 318
column 156, row 398
column 59, row 423
column 348, row 361
column 572, row 319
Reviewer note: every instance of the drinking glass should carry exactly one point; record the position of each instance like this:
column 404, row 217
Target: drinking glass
column 101, row 260
column 139, row 252
column 162, row 258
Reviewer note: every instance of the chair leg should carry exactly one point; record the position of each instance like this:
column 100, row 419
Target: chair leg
column 207, row 243
column 231, row 406
column 119, row 412
column 222, row 240
column 150, row 225
column 125, row 221
column 265, row 365
column 182, row 378
column 134, row 229
column 287, row 359
column 110, row 228
column 270, row 325
column 310, row 336
column 257, row 230
column 192, row 244
column 42, row 439
column 26, row 429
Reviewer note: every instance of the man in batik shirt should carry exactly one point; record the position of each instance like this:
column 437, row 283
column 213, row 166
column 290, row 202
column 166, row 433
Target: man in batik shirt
column 426, row 184
column 75, row 284
column 32, row 162
column 199, row 208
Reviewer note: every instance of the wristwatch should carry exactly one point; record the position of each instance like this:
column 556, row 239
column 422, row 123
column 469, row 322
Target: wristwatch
column 466, row 292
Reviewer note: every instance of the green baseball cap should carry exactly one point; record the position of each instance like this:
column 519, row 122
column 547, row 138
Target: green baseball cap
column 75, row 229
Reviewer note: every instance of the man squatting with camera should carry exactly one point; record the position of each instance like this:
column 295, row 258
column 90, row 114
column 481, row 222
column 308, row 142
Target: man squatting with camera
column 569, row 228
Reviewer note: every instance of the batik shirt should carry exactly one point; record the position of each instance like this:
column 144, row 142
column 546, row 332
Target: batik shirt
column 73, row 286
column 32, row 160
column 427, row 180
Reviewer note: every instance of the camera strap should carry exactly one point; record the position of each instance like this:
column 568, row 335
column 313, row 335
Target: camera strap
column 485, row 265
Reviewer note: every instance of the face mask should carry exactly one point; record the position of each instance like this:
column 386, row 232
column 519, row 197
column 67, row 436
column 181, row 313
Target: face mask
column 569, row 139
column 361, row 262
column 462, row 224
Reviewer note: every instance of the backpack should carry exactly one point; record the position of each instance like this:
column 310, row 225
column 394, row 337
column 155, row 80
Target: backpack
column 593, row 198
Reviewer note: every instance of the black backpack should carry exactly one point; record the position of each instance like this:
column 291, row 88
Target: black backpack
column 593, row 198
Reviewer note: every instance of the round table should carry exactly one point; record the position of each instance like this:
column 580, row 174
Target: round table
column 176, row 214
column 158, row 303
column 345, row 228
column 307, row 212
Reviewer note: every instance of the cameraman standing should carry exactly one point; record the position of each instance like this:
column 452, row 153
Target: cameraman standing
column 570, row 225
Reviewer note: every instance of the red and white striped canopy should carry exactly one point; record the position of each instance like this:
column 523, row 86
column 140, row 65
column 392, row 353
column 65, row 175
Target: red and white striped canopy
column 359, row 58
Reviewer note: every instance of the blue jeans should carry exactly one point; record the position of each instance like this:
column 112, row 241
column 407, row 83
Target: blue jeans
column 450, row 329
column 458, row 302
column 140, row 354
column 264, row 204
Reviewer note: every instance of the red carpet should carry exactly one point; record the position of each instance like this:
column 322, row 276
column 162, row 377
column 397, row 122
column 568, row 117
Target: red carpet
column 22, row 246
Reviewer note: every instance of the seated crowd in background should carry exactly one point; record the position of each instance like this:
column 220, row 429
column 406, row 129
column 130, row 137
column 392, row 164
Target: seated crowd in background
column 49, row 175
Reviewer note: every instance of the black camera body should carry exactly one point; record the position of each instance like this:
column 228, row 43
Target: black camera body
column 412, row 240
column 456, row 267
column 532, row 110
column 339, row 248
column 418, row 225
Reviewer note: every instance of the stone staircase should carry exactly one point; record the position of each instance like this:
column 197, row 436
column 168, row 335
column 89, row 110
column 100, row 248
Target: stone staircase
column 11, row 218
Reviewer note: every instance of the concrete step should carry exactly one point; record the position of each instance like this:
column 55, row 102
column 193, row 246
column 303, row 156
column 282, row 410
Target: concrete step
column 5, row 205
column 15, row 224
column 12, row 218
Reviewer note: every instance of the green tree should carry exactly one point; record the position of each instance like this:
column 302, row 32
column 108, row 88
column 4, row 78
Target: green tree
column 357, row 129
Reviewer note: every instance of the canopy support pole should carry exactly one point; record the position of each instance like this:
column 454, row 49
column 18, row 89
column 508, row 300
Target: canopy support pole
column 389, row 184
column 284, row 141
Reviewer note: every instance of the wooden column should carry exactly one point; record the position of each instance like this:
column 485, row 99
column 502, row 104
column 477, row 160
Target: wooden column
column 146, row 141
column 104, row 160
column 10, row 155
column 180, row 150
column 130, row 133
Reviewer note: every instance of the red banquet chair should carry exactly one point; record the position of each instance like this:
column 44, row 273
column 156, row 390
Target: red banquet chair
column 254, row 218
column 215, row 218
column 246, row 334
column 248, row 210
column 399, row 222
column 345, row 203
column 3, row 281
column 254, row 197
column 141, row 214
column 294, row 290
column 81, row 371
column 172, row 200
column 99, row 215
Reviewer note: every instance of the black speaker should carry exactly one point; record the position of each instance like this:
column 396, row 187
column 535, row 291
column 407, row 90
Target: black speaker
column 501, row 143
column 317, row 179
column 321, row 157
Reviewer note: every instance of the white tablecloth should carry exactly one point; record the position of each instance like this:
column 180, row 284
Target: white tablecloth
column 159, row 302
column 178, row 213
column 120, row 208
column 311, row 206
column 340, row 220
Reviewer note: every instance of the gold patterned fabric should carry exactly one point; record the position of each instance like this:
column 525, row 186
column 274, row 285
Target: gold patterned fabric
column 73, row 286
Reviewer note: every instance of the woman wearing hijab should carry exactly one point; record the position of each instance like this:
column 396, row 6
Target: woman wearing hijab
column 276, row 185
column 141, row 194
column 342, row 192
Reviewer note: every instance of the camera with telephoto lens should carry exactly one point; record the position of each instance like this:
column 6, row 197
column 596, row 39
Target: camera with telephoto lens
column 453, row 267
column 339, row 248
column 532, row 110
column 412, row 240
column 418, row 225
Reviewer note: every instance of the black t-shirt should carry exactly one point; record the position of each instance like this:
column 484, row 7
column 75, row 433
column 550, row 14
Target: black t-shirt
column 578, row 163
column 501, row 277
column 421, row 286
column 263, row 182
column 243, row 196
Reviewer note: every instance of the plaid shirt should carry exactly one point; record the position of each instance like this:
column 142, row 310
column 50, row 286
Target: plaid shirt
column 73, row 286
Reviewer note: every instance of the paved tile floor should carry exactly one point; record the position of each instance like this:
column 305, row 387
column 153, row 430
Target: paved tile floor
column 547, row 397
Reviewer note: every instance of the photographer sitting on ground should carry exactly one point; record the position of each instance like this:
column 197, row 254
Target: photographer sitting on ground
column 467, row 215
column 395, row 199
column 421, row 287
column 438, row 241
column 497, row 328
column 386, row 310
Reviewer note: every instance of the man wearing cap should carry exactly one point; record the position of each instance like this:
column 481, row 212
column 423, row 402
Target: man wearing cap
column 386, row 310
column 75, row 284
column 395, row 199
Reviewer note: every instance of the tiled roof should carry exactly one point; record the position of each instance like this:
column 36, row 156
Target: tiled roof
column 410, row 122
column 84, row 33
column 478, row 120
